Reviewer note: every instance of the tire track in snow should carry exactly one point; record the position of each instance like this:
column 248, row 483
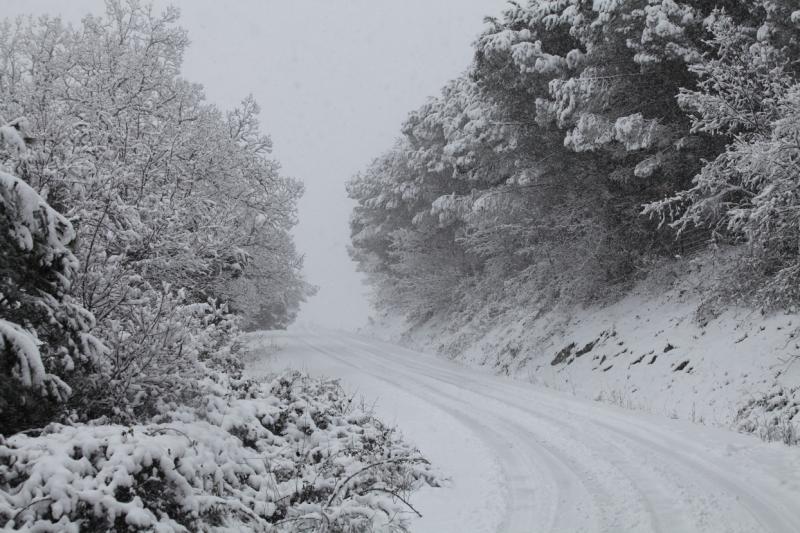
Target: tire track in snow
column 572, row 465
column 573, row 499
column 628, row 503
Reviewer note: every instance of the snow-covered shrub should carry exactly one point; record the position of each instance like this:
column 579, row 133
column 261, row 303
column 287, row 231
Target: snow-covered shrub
column 293, row 454
column 158, row 353
column 45, row 337
column 775, row 416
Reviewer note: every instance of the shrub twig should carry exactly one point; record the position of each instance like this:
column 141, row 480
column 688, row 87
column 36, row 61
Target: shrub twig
column 373, row 465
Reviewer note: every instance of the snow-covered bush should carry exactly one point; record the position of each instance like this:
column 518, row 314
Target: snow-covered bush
column 293, row 454
column 158, row 352
column 775, row 416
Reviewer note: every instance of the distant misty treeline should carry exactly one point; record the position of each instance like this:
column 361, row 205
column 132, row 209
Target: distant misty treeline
column 587, row 143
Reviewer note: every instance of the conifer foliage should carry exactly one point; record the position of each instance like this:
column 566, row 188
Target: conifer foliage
column 587, row 142
column 45, row 335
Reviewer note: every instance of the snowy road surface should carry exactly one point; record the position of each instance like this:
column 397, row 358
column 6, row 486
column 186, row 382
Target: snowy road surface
column 526, row 459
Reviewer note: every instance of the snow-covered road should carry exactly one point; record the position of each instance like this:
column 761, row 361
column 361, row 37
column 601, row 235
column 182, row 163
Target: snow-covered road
column 526, row 459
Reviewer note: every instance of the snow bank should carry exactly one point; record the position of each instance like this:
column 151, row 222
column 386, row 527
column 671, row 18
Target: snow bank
column 663, row 347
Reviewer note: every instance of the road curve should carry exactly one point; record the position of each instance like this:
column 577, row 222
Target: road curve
column 542, row 461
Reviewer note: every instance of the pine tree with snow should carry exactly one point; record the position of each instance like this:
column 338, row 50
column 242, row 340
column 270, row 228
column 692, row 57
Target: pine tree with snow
column 749, row 94
column 45, row 338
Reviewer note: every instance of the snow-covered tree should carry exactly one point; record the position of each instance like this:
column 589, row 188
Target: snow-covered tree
column 45, row 336
column 176, row 204
column 531, row 170
column 749, row 94
column 134, row 212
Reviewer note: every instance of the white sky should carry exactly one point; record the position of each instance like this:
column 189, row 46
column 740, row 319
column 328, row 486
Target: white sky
column 335, row 79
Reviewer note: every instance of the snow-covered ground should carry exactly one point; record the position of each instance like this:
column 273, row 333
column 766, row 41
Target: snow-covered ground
column 522, row 458
column 665, row 347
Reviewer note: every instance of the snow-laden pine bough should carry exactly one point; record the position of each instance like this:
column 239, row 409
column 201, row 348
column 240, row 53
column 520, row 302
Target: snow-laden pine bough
column 293, row 454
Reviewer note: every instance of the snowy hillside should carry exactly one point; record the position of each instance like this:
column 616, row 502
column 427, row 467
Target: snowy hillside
column 660, row 348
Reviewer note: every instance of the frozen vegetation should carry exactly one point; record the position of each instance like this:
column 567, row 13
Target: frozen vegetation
column 605, row 203
column 140, row 229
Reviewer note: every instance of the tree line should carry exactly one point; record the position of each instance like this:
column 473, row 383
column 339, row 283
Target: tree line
column 587, row 143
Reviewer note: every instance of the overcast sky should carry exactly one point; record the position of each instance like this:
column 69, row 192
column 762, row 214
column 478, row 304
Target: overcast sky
column 335, row 79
